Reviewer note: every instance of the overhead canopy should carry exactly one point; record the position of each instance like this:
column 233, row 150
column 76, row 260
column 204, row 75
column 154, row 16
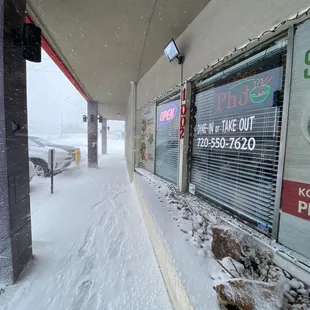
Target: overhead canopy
column 106, row 44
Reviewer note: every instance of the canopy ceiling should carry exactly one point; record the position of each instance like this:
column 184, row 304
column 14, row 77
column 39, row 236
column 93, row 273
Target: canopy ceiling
column 105, row 44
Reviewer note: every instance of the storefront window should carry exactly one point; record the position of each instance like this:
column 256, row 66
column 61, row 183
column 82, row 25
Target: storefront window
column 167, row 140
column 236, row 138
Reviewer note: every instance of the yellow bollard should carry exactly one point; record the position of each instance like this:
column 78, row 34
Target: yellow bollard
column 77, row 156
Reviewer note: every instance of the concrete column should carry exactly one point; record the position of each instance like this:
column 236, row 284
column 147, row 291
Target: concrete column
column 133, row 126
column 104, row 136
column 92, row 134
column 15, row 223
column 186, row 96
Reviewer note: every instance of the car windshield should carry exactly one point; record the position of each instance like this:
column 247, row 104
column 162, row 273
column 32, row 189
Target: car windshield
column 43, row 141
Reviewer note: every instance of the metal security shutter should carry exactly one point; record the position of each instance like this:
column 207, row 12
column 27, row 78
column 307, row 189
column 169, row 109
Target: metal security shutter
column 236, row 138
column 167, row 139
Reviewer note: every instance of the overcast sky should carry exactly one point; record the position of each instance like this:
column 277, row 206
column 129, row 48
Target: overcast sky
column 51, row 96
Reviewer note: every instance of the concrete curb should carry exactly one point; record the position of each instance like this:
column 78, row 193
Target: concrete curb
column 178, row 296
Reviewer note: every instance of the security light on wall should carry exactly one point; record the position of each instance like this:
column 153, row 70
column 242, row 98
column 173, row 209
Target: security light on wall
column 172, row 52
column 31, row 42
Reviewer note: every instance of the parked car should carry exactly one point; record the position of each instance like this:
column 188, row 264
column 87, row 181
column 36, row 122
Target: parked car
column 45, row 142
column 38, row 155
column 32, row 170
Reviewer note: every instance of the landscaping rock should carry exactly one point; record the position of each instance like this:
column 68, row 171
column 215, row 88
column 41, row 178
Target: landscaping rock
column 303, row 292
column 298, row 307
column 233, row 267
column 289, row 297
column 227, row 242
column 295, row 284
column 250, row 295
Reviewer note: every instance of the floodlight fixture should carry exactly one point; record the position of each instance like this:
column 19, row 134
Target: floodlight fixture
column 172, row 52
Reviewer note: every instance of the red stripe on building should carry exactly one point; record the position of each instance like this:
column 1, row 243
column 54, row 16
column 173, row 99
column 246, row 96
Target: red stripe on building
column 296, row 199
column 49, row 50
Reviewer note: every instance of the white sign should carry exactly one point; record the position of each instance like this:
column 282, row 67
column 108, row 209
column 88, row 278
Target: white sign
column 51, row 155
column 243, row 124
column 240, row 143
column 227, row 125
column 192, row 189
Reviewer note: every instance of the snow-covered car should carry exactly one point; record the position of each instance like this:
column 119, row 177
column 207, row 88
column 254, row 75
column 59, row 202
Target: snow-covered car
column 38, row 155
column 69, row 148
column 32, row 170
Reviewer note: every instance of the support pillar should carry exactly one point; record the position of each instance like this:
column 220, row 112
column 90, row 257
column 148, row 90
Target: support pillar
column 104, row 136
column 184, row 136
column 132, row 129
column 15, row 218
column 92, row 109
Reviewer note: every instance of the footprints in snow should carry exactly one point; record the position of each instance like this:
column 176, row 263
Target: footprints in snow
column 111, row 223
column 82, row 295
column 115, row 210
column 115, row 247
column 88, row 240
column 104, row 218
column 87, row 254
column 112, row 193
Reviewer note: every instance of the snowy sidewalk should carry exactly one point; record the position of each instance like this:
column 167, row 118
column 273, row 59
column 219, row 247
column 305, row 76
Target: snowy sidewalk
column 91, row 247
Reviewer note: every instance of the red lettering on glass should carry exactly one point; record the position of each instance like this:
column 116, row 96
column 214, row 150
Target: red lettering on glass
column 244, row 97
column 220, row 99
column 230, row 100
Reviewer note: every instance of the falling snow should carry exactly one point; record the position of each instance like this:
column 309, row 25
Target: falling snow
column 91, row 248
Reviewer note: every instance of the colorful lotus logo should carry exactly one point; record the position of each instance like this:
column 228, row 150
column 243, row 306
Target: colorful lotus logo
column 168, row 114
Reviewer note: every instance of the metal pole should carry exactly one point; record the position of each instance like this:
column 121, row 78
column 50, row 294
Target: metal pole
column 52, row 171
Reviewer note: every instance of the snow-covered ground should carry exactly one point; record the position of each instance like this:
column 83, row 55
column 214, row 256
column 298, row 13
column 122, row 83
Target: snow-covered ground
column 90, row 244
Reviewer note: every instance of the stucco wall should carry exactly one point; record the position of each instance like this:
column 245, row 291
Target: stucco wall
column 221, row 26
column 128, row 135
column 130, row 130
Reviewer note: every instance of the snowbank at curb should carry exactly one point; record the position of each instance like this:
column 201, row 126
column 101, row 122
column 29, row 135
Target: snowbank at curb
column 186, row 273
column 175, row 288
column 201, row 225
